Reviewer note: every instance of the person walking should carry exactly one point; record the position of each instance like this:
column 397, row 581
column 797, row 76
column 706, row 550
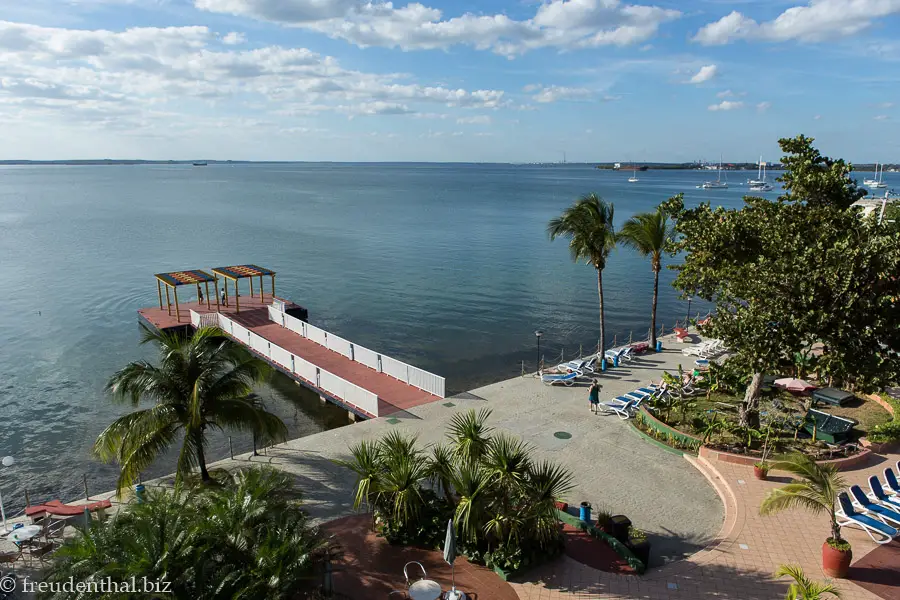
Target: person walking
column 594, row 395
column 224, row 297
column 199, row 296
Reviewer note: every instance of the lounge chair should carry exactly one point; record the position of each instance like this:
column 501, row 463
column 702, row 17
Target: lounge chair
column 696, row 349
column 621, row 406
column 715, row 348
column 892, row 483
column 879, row 495
column 614, row 353
column 560, row 378
column 573, row 365
column 881, row 513
column 847, row 516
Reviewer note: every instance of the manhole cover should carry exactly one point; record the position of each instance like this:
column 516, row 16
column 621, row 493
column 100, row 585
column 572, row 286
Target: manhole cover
column 449, row 404
column 393, row 420
column 563, row 435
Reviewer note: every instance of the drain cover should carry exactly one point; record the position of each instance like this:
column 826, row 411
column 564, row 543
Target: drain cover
column 563, row 435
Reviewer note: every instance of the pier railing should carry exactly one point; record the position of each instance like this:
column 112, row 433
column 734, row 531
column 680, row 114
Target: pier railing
column 339, row 388
column 414, row 376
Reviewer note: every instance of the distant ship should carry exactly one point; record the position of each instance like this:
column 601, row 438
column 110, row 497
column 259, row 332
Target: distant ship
column 200, row 164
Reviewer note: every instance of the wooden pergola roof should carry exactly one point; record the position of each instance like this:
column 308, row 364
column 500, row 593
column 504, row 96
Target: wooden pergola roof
column 236, row 272
column 191, row 277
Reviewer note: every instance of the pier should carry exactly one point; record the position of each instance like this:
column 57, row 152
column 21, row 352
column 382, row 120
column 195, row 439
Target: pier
column 365, row 382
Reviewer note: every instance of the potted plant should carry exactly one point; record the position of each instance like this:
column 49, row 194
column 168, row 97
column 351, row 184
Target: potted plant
column 639, row 545
column 816, row 489
column 803, row 588
column 761, row 469
column 603, row 517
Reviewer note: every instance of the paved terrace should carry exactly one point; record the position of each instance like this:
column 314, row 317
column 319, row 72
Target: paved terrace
column 393, row 394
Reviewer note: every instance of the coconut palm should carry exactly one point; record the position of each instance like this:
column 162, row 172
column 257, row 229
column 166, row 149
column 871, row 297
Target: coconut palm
column 803, row 588
column 203, row 382
column 648, row 234
column 469, row 435
column 816, row 490
column 440, row 470
column 588, row 224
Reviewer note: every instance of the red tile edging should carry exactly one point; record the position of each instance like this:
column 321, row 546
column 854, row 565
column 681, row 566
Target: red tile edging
column 842, row 464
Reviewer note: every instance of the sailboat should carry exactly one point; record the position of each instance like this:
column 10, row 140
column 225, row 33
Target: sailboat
column 761, row 184
column 634, row 177
column 718, row 184
column 878, row 181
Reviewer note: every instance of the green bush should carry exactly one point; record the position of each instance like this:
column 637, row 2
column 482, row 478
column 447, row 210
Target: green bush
column 890, row 431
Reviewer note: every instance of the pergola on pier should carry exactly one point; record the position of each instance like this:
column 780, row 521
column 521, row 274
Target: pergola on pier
column 176, row 279
column 237, row 272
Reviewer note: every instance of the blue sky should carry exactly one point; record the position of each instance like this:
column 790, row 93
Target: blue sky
column 506, row 81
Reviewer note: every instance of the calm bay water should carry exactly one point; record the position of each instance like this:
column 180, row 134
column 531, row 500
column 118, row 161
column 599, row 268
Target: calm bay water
column 445, row 266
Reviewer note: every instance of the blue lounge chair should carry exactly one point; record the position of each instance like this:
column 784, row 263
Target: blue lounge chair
column 879, row 495
column 847, row 516
column 573, row 365
column 560, row 378
column 879, row 512
column 891, row 479
column 621, row 406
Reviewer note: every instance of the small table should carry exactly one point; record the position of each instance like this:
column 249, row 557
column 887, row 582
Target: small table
column 23, row 534
column 425, row 589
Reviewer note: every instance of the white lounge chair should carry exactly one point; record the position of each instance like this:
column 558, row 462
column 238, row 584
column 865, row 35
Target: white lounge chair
column 622, row 406
column 560, row 378
column 573, row 365
column 847, row 516
column 881, row 513
column 893, row 484
column 879, row 495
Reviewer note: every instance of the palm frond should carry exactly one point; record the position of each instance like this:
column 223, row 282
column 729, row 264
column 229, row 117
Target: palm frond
column 468, row 433
column 588, row 224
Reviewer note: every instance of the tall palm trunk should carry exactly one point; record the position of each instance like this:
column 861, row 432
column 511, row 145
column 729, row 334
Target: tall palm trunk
column 653, row 309
column 602, row 315
column 748, row 411
column 201, row 457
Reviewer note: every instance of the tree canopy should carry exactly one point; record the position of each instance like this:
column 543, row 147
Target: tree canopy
column 801, row 270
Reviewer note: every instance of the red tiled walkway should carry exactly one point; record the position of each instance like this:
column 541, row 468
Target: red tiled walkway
column 372, row 568
column 393, row 394
column 879, row 571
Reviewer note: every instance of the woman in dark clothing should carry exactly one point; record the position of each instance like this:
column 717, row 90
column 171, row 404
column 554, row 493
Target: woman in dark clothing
column 594, row 395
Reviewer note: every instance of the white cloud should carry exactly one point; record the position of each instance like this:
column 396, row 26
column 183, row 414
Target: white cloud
column 554, row 93
column 476, row 120
column 729, row 94
column 763, row 106
column 816, row 21
column 563, row 24
column 881, row 117
column 817, row 118
column 234, row 38
column 146, row 77
column 885, row 105
column 706, row 73
column 725, row 105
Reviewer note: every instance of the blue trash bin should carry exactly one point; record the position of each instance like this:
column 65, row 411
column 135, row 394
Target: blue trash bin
column 659, row 345
column 585, row 512
column 616, row 361
column 139, row 493
column 603, row 364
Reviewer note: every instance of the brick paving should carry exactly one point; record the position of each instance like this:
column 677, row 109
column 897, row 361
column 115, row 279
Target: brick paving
column 372, row 568
column 740, row 564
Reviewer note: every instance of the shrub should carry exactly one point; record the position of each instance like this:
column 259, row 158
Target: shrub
column 886, row 432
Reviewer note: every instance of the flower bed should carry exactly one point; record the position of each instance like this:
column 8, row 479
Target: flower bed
column 666, row 433
column 843, row 464
column 617, row 546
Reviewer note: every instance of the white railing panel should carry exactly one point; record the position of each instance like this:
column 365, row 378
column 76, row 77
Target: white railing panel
column 260, row 344
column 195, row 318
column 395, row 368
column 319, row 336
column 275, row 315
column 424, row 380
column 295, row 325
column 340, row 345
column 209, row 320
column 345, row 390
column 365, row 356
column 281, row 356
column 305, row 369
column 240, row 333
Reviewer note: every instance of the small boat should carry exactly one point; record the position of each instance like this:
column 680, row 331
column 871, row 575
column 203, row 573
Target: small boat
column 634, row 177
column 878, row 182
column 200, row 164
column 718, row 184
column 762, row 183
column 761, row 187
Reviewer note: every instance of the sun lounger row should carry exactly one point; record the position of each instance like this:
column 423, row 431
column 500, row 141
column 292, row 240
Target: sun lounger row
column 707, row 349
column 587, row 365
column 626, row 405
column 878, row 512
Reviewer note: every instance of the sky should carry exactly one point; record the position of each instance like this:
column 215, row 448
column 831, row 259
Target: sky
column 440, row 80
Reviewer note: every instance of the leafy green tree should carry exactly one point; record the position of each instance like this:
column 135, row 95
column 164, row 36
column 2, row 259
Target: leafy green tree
column 245, row 540
column 789, row 273
column 803, row 588
column 203, row 382
column 649, row 234
column 588, row 225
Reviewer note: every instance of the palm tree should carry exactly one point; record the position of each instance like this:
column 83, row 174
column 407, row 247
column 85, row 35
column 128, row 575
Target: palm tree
column 588, row 224
column 803, row 588
column 469, row 435
column 203, row 382
column 648, row 234
column 816, row 490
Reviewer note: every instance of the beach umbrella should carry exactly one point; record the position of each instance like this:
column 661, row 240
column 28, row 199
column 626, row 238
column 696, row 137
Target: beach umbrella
column 795, row 385
column 450, row 557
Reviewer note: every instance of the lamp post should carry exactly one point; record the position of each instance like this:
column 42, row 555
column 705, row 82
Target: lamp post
column 7, row 461
column 687, row 322
column 538, row 335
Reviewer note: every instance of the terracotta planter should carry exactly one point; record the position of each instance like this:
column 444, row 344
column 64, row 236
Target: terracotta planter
column 835, row 563
column 759, row 473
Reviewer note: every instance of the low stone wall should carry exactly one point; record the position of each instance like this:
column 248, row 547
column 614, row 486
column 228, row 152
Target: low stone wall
column 686, row 441
column 843, row 464
column 885, row 405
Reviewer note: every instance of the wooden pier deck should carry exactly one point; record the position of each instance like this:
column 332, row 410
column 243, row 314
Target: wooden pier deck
column 393, row 395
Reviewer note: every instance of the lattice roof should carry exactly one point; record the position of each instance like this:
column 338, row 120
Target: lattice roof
column 191, row 277
column 242, row 271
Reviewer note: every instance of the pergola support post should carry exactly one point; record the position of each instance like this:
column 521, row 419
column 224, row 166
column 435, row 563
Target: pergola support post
column 237, row 301
column 159, row 293
column 273, row 286
column 177, row 311
column 168, row 301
